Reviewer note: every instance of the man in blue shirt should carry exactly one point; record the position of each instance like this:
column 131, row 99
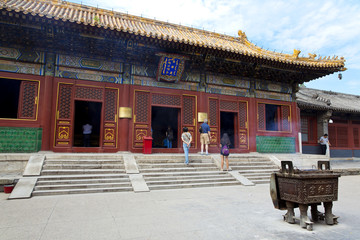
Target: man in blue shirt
column 205, row 137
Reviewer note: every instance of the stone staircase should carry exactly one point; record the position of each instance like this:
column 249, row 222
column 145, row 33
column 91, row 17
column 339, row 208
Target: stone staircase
column 256, row 168
column 170, row 172
column 82, row 173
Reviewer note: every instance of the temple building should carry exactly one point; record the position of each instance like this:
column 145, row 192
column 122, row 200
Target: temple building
column 333, row 113
column 63, row 65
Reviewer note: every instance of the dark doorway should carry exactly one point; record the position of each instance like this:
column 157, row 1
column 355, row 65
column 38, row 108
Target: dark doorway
column 9, row 98
column 227, row 125
column 87, row 112
column 161, row 119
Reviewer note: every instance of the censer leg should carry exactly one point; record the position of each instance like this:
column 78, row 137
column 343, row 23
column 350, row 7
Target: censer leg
column 329, row 217
column 290, row 215
column 304, row 219
column 314, row 213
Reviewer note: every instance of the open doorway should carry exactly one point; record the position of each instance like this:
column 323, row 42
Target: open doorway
column 87, row 113
column 227, row 125
column 161, row 119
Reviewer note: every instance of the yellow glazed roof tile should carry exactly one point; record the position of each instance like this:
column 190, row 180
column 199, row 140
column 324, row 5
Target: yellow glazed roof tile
column 86, row 15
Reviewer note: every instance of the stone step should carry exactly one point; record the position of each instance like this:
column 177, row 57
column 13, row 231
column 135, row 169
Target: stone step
column 189, row 181
column 80, row 191
column 254, row 167
column 82, row 176
column 79, row 156
column 185, row 169
column 253, row 171
column 250, row 160
column 165, row 178
column 81, row 181
column 181, row 174
column 195, row 185
column 177, row 160
column 83, row 166
column 174, row 165
column 261, row 181
column 258, row 174
column 81, row 171
column 267, row 163
column 253, row 178
column 154, row 157
column 87, row 161
column 81, row 186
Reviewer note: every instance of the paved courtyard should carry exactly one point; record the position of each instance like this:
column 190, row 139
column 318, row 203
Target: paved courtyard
column 217, row 213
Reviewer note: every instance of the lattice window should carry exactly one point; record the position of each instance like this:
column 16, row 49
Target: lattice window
column 242, row 114
column 213, row 112
column 89, row 93
column 142, row 106
column 227, row 105
column 110, row 105
column 285, row 117
column 65, row 101
column 189, row 110
column 164, row 99
column 28, row 101
column 261, row 116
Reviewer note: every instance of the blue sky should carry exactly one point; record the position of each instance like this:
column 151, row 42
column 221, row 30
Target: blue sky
column 327, row 28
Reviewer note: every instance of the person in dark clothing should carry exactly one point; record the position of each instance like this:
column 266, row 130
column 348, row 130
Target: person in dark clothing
column 224, row 152
column 169, row 137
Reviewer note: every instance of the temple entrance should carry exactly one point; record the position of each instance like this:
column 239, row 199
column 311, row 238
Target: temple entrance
column 87, row 112
column 161, row 119
column 227, row 125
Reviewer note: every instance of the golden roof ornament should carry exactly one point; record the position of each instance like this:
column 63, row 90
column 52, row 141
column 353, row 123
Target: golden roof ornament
column 242, row 35
column 312, row 55
column 296, row 53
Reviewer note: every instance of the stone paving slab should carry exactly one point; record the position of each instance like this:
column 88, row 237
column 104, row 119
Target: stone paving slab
column 138, row 183
column 34, row 165
column 217, row 213
column 23, row 188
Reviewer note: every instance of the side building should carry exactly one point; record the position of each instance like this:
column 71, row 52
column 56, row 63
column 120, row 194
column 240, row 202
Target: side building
column 336, row 114
column 63, row 65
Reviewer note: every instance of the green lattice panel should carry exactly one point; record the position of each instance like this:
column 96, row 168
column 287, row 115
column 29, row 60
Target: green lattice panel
column 266, row 144
column 14, row 140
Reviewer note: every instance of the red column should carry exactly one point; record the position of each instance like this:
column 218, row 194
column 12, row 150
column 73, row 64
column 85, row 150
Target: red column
column 45, row 112
column 124, row 123
column 252, row 124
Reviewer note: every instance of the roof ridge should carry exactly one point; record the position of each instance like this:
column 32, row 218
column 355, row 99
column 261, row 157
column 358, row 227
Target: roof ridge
column 94, row 16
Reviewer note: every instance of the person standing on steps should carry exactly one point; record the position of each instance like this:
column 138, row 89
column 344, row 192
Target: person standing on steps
column 224, row 151
column 186, row 139
column 205, row 137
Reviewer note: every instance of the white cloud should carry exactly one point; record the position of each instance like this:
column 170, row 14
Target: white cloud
column 324, row 27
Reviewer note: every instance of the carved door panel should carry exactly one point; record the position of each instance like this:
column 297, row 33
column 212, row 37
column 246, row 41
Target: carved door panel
column 261, row 120
column 28, row 100
column 141, row 118
column 64, row 124
column 110, row 118
column 189, row 117
column 285, row 118
column 214, row 122
column 243, row 126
